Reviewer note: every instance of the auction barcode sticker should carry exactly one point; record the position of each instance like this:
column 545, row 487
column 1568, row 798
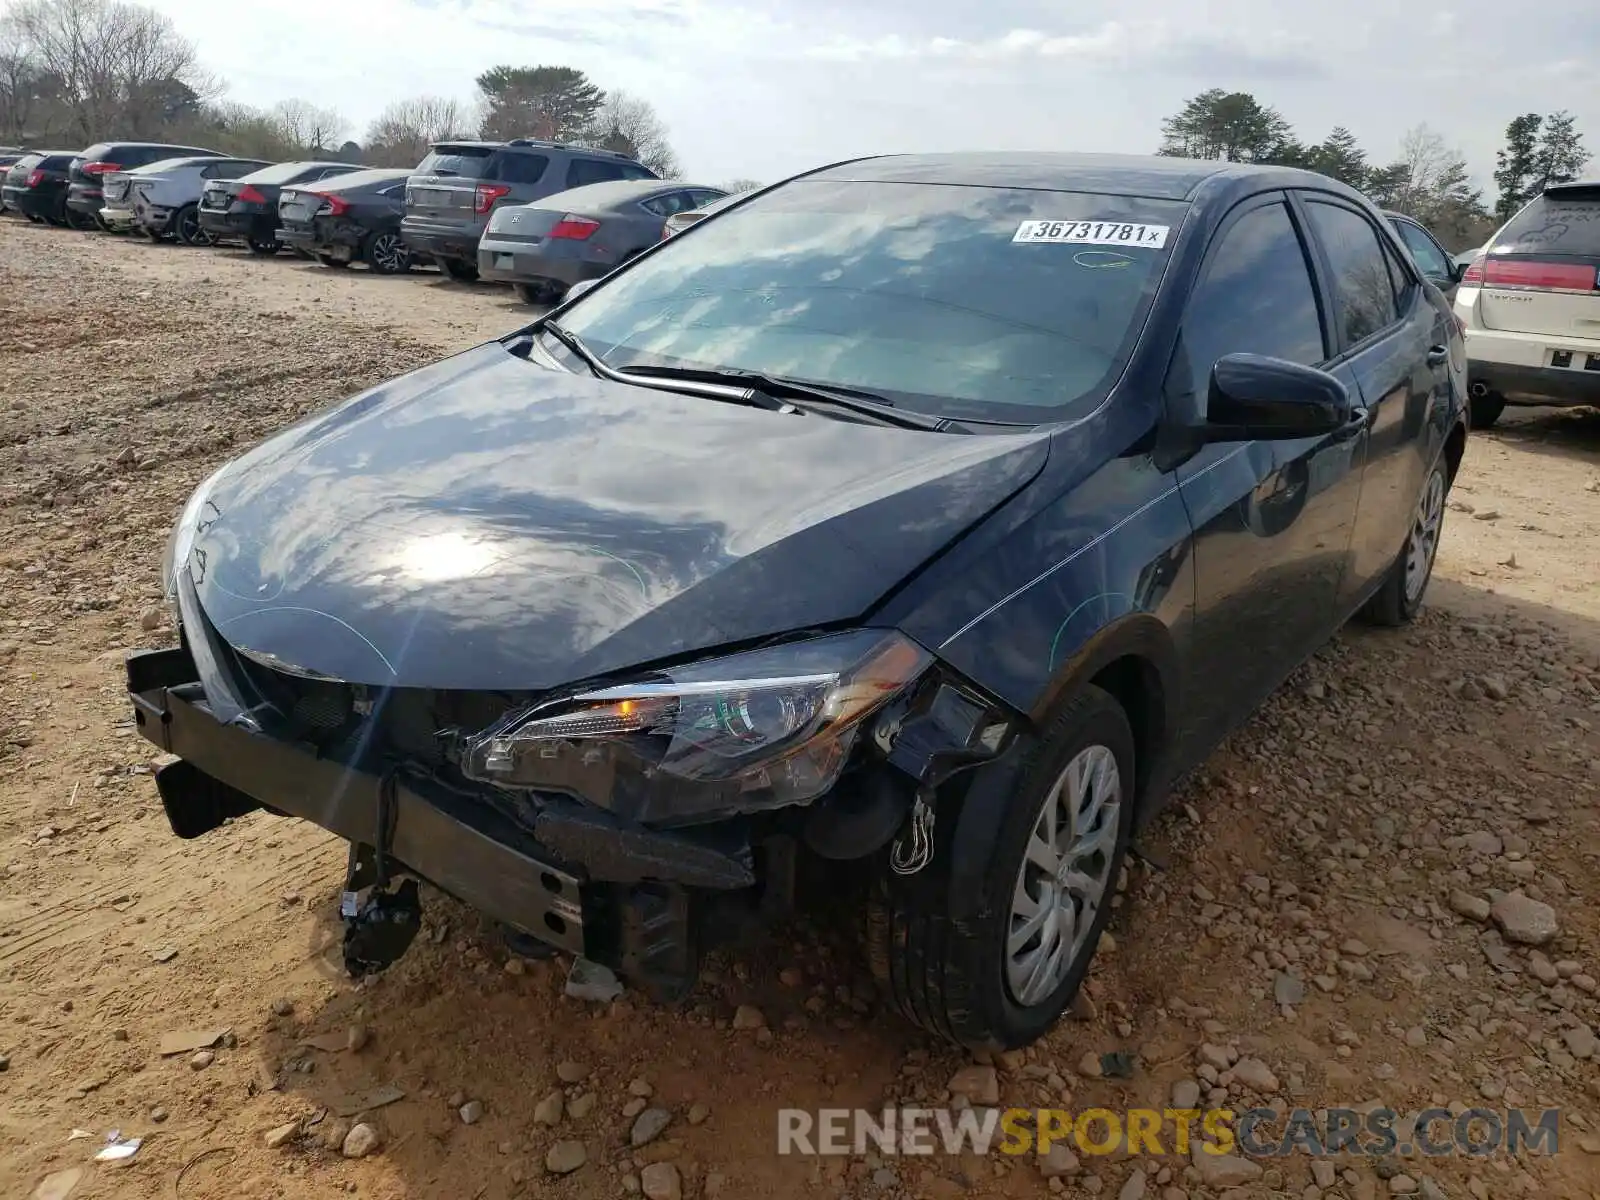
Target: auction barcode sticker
column 1094, row 233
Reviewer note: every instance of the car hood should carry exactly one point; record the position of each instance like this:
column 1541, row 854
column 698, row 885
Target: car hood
column 491, row 523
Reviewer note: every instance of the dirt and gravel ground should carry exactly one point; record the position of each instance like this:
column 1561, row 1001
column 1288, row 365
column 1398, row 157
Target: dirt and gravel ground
column 1322, row 913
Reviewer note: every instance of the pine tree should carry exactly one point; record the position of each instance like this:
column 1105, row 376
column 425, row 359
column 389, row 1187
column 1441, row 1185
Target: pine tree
column 1229, row 125
column 1514, row 163
column 1560, row 155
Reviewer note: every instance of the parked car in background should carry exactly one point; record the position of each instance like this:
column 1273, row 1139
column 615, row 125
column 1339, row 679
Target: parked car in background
column 36, row 185
column 929, row 513
column 162, row 200
column 544, row 248
column 246, row 209
column 458, row 186
column 1438, row 268
column 351, row 218
column 7, row 161
column 85, row 195
column 678, row 222
column 1531, row 306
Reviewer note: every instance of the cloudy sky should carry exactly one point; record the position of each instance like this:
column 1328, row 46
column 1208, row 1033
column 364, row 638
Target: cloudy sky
column 766, row 87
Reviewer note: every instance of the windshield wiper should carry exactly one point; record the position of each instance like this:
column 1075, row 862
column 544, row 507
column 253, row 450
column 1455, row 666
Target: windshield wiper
column 867, row 404
column 709, row 388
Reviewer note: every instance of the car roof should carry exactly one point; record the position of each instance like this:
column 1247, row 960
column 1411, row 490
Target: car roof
column 197, row 151
column 1574, row 185
column 613, row 192
column 187, row 160
column 1149, row 176
column 293, row 166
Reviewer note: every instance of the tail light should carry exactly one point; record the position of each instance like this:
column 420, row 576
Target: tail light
column 332, row 206
column 575, row 227
column 1539, row 276
column 35, row 178
column 251, row 195
column 99, row 168
column 1474, row 271
column 486, row 194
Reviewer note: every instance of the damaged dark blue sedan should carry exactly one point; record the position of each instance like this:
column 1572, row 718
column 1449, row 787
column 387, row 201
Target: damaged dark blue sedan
column 921, row 517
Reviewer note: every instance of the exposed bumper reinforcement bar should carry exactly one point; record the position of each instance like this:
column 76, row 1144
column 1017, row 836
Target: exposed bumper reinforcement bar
column 465, row 849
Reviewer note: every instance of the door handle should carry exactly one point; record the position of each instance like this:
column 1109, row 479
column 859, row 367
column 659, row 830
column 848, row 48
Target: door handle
column 1438, row 356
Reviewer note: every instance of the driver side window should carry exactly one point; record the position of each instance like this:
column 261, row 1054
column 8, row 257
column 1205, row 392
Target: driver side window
column 1255, row 296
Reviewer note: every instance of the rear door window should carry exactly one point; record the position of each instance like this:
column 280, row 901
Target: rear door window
column 1362, row 285
column 671, row 203
column 456, row 160
column 519, row 168
column 584, row 171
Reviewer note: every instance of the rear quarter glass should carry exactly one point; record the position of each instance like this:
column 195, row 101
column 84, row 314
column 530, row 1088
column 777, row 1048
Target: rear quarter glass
column 1558, row 223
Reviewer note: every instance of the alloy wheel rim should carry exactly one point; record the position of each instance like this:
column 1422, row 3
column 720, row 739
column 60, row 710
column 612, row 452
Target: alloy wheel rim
column 386, row 252
column 1065, row 873
column 188, row 228
column 1424, row 543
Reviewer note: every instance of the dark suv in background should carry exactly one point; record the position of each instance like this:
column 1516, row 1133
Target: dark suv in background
column 453, row 191
column 89, row 169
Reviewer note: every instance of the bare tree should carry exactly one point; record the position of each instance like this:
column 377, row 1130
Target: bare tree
column 117, row 69
column 734, row 186
column 401, row 135
column 308, row 128
column 631, row 126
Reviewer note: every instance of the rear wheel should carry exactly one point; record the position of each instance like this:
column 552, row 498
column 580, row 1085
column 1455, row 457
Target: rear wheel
column 36, row 220
column 186, row 227
column 543, row 293
column 386, row 254
column 1399, row 600
column 1002, row 977
column 1485, row 410
column 329, row 260
column 77, row 220
column 266, row 247
column 463, row 272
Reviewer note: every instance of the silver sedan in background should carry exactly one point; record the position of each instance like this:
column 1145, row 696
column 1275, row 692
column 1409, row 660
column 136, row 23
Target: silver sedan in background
column 544, row 248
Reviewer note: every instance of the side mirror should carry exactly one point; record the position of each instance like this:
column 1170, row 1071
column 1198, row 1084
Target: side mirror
column 1255, row 398
column 1457, row 271
column 579, row 288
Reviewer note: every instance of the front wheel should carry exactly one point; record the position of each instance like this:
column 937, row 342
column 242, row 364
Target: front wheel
column 386, row 254
column 266, row 247
column 1002, row 974
column 462, row 272
column 1399, row 600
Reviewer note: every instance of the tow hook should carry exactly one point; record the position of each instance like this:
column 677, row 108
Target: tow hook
column 379, row 927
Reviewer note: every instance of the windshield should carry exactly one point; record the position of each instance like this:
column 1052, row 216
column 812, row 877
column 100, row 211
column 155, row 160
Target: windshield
column 993, row 303
column 1562, row 221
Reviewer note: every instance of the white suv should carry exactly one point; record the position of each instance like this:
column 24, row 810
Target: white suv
column 1530, row 304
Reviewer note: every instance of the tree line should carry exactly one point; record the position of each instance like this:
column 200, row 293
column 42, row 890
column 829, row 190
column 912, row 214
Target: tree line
column 1429, row 181
column 73, row 72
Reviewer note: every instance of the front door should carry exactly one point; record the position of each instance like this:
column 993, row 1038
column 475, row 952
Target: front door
column 1272, row 519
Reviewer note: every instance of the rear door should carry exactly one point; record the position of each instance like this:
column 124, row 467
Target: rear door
column 1541, row 272
column 445, row 184
column 1391, row 338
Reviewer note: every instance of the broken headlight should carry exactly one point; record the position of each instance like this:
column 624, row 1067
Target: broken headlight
column 759, row 730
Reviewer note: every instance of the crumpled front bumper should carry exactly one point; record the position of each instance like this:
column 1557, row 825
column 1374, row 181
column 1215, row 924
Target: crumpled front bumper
column 463, row 848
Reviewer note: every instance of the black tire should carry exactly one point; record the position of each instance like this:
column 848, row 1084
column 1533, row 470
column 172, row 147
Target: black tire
column 155, row 235
column 35, row 220
column 82, row 222
column 544, row 293
column 385, row 254
column 99, row 223
column 263, row 247
column 185, row 226
column 1399, row 600
column 329, row 260
column 951, row 979
column 1486, row 410
column 461, row 272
